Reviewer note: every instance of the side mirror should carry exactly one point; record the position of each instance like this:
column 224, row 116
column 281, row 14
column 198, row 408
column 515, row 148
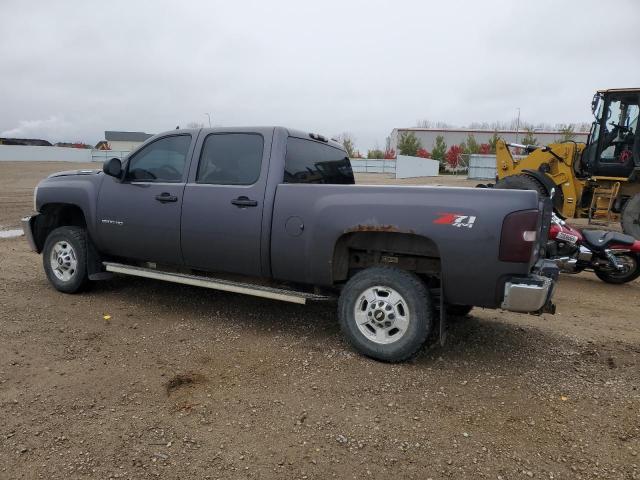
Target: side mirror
column 113, row 168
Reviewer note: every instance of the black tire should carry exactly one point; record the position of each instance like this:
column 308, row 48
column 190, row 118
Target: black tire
column 75, row 238
column 618, row 278
column 415, row 309
column 631, row 217
column 458, row 310
column 522, row 182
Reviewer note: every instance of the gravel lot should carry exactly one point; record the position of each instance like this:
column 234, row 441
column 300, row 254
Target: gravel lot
column 182, row 382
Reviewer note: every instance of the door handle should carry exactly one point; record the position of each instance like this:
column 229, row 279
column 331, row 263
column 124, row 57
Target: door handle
column 166, row 197
column 243, row 202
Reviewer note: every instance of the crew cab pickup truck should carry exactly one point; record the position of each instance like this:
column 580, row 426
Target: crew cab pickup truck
column 274, row 212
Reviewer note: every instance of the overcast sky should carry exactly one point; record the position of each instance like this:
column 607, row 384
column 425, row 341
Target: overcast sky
column 70, row 70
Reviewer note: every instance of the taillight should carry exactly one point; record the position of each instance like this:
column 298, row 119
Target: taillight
column 519, row 235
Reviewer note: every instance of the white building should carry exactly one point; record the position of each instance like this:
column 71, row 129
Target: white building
column 125, row 141
column 455, row 136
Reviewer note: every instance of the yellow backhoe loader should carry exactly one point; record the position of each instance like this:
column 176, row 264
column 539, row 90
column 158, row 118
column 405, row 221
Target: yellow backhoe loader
column 599, row 180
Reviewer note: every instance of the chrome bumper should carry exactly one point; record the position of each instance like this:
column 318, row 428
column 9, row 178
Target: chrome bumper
column 28, row 231
column 530, row 294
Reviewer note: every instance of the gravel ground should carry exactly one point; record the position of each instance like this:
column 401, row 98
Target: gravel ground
column 143, row 379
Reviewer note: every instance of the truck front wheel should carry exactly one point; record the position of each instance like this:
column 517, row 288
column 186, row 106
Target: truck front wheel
column 386, row 313
column 64, row 258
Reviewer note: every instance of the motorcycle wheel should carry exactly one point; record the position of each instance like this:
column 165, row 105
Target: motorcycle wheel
column 631, row 271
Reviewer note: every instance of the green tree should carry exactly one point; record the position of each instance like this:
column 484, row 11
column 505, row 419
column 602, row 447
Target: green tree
column 529, row 139
column 409, row 144
column 375, row 153
column 492, row 142
column 439, row 150
column 567, row 132
column 348, row 142
column 348, row 145
column 471, row 146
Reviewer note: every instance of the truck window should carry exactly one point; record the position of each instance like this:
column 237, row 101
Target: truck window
column 230, row 159
column 308, row 161
column 160, row 161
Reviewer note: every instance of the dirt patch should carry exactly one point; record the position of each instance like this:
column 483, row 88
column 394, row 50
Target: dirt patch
column 17, row 181
column 183, row 380
column 509, row 396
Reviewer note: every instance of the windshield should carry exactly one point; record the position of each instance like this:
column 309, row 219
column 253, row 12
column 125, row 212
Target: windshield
column 621, row 122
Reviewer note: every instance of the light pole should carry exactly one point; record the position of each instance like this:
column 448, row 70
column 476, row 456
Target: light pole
column 518, row 125
column 209, row 117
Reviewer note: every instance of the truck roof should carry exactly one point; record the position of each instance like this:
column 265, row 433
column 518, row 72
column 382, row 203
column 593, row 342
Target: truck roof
column 290, row 131
column 313, row 136
column 620, row 90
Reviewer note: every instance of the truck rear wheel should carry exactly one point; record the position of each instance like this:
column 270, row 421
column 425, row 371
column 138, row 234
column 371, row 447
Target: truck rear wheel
column 386, row 313
column 64, row 258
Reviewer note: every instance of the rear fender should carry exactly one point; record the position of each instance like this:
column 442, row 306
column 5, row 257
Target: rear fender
column 635, row 248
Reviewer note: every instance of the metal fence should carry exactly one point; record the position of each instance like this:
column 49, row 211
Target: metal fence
column 104, row 155
column 482, row 167
column 370, row 165
column 32, row 153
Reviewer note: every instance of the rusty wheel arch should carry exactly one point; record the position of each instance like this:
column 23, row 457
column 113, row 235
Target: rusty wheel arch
column 364, row 246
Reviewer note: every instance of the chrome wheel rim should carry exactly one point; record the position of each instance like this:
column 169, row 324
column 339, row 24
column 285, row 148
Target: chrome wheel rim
column 63, row 260
column 382, row 315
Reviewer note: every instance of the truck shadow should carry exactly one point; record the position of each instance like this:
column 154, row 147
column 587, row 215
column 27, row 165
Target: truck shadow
column 475, row 340
column 594, row 284
column 494, row 341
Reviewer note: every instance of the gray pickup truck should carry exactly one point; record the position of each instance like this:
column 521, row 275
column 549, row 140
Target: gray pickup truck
column 274, row 212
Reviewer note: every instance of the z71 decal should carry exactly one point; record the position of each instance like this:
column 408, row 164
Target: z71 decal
column 455, row 219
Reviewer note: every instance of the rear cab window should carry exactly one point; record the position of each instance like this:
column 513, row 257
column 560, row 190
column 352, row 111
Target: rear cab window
column 310, row 161
column 230, row 159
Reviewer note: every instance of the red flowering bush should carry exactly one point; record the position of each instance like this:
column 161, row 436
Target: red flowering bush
column 485, row 149
column 390, row 154
column 423, row 153
column 453, row 155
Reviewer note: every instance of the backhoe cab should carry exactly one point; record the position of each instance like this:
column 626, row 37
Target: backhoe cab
column 599, row 180
column 613, row 148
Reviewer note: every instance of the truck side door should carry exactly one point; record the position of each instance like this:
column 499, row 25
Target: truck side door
column 223, row 202
column 139, row 217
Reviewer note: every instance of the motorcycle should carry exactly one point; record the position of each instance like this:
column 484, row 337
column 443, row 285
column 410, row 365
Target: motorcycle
column 614, row 257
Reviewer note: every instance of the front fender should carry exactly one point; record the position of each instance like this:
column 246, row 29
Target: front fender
column 80, row 191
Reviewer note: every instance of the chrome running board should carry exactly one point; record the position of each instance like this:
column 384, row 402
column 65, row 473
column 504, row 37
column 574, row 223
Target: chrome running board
column 284, row 295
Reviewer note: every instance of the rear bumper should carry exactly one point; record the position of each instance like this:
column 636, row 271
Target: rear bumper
column 27, row 226
column 534, row 293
